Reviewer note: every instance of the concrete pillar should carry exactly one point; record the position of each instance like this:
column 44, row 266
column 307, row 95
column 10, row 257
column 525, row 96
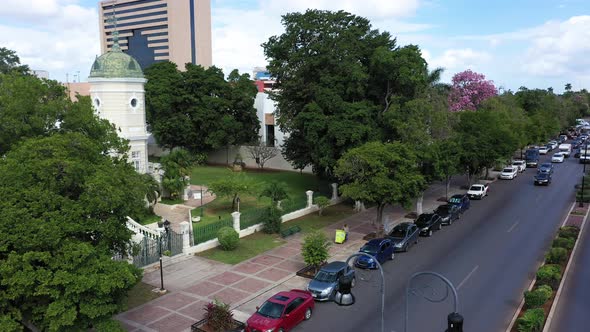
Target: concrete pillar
column 309, row 194
column 334, row 191
column 236, row 217
column 359, row 206
column 279, row 205
column 184, row 230
column 186, row 193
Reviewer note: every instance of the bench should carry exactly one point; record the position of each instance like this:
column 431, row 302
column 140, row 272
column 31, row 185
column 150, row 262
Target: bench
column 290, row 231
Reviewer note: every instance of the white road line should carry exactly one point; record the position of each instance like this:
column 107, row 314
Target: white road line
column 512, row 227
column 468, row 276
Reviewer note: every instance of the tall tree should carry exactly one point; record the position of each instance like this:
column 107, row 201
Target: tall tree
column 10, row 63
column 469, row 90
column 64, row 205
column 199, row 110
column 336, row 77
column 380, row 173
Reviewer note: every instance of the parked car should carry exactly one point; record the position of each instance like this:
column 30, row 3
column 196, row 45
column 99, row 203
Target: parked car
column 543, row 150
column 543, row 178
column 520, row 164
column 509, row 173
column 448, row 213
column 557, row 158
column 553, row 144
column 282, row 311
column 381, row 249
column 549, row 147
column 462, row 201
column 428, row 222
column 324, row 284
column 545, row 168
column 403, row 236
column 478, row 191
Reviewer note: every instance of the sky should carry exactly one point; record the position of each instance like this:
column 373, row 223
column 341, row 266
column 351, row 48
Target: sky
column 531, row 43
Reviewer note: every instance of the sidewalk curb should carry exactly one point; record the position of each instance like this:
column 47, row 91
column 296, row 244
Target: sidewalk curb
column 515, row 316
column 564, row 277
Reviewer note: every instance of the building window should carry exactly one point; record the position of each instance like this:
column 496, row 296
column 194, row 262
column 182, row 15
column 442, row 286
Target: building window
column 96, row 102
column 134, row 154
column 136, row 165
column 270, row 135
column 133, row 102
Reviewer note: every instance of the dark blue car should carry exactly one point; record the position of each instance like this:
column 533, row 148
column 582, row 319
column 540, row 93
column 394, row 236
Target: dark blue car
column 381, row 249
column 461, row 200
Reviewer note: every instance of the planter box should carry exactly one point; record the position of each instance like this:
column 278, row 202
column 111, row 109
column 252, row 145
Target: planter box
column 201, row 326
column 308, row 271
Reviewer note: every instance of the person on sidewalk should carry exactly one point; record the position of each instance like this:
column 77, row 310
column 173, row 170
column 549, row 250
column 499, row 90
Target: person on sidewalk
column 345, row 229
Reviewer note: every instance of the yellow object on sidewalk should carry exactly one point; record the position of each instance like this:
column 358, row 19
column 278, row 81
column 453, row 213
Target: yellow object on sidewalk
column 340, row 236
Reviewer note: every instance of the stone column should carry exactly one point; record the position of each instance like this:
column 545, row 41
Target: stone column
column 184, row 230
column 334, row 191
column 309, row 194
column 236, row 217
column 186, row 192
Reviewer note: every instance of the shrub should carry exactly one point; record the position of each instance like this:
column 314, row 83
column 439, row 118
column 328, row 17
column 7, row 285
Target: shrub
column 218, row 315
column 315, row 248
column 228, row 238
column 271, row 220
column 563, row 242
column 570, row 232
column 531, row 321
column 322, row 202
column 537, row 297
column 549, row 274
column 556, row 256
column 276, row 191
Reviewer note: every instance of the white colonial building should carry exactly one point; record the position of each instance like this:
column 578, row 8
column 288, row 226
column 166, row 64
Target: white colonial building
column 117, row 94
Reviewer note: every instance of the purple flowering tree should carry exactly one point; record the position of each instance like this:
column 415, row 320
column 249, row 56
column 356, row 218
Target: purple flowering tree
column 469, row 89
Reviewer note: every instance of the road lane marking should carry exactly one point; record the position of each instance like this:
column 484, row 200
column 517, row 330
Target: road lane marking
column 512, row 227
column 468, row 276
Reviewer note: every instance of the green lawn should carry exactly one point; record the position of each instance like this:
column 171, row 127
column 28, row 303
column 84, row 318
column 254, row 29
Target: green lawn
column 249, row 247
column 258, row 243
column 297, row 184
column 171, row 201
column 140, row 294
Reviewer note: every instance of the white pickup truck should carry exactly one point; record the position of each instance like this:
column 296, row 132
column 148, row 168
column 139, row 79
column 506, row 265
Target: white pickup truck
column 566, row 149
column 478, row 191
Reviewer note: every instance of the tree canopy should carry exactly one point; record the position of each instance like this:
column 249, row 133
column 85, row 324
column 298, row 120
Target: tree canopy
column 198, row 109
column 10, row 62
column 469, row 90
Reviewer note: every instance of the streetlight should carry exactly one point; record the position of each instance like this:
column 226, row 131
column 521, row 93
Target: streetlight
column 201, row 201
column 454, row 319
column 341, row 298
column 166, row 227
column 583, row 173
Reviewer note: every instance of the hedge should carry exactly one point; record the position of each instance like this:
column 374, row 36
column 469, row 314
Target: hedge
column 549, row 274
column 531, row 321
column 537, row 297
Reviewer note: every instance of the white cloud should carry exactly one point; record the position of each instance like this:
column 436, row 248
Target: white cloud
column 458, row 59
column 61, row 36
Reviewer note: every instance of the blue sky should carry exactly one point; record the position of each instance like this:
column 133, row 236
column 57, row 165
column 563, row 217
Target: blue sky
column 537, row 44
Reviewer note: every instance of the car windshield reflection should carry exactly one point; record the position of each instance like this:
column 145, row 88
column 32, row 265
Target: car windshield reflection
column 271, row 309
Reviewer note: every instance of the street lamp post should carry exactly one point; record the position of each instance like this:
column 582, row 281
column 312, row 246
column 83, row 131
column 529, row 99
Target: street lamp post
column 382, row 284
column 166, row 227
column 454, row 319
column 583, row 174
column 201, row 202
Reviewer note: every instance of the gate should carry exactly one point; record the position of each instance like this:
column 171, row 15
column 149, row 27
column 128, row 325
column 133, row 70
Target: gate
column 149, row 252
column 172, row 242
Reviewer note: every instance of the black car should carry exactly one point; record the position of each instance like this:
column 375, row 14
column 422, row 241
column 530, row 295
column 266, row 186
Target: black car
column 545, row 168
column 461, row 200
column 428, row 222
column 403, row 236
column 448, row 213
column 543, row 178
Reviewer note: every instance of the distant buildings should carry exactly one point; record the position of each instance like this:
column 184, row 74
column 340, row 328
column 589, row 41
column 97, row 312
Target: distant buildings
column 158, row 30
column 40, row 73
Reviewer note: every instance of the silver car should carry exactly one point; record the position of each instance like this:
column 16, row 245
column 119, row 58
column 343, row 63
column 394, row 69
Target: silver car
column 324, row 285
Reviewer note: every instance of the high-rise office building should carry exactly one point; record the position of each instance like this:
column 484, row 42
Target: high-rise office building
column 158, row 30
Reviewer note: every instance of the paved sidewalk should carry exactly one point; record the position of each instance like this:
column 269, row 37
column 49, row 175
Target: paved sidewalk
column 194, row 281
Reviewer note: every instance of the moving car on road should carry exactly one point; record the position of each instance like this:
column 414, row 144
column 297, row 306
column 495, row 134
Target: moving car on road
column 478, row 191
column 324, row 284
column 543, row 178
column 520, row 165
column 403, row 236
column 462, row 201
column 448, row 213
column 282, row 312
column 557, row 158
column 545, row 168
column 428, row 222
column 543, row 150
column 381, row 249
column 509, row 173
column 565, row 149
column 531, row 157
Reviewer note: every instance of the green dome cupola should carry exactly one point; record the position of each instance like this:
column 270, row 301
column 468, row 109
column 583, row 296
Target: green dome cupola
column 115, row 64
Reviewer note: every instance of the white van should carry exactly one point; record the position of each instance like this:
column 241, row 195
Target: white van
column 566, row 149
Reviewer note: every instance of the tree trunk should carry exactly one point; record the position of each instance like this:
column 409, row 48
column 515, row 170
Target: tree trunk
column 419, row 202
column 487, row 172
column 380, row 209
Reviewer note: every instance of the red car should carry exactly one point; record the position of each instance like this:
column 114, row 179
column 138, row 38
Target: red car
column 282, row 312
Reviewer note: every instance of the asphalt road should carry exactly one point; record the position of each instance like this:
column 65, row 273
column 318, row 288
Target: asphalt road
column 491, row 254
column 571, row 314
